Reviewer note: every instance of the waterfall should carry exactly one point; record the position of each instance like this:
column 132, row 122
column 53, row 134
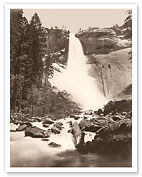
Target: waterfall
column 76, row 81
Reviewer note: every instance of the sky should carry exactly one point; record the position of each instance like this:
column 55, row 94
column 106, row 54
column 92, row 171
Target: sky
column 74, row 19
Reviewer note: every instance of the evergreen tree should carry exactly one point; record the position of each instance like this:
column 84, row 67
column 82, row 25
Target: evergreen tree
column 128, row 25
column 18, row 27
column 37, row 50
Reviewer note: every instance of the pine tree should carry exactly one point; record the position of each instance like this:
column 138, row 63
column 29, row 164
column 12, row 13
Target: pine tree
column 18, row 27
column 37, row 50
column 128, row 25
column 37, row 41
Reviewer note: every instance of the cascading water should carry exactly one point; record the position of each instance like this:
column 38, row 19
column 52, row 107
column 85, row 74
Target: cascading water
column 75, row 79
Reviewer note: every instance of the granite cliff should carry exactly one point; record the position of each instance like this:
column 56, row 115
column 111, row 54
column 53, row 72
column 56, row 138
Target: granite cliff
column 109, row 60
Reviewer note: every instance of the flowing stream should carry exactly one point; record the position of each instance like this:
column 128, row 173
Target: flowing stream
column 33, row 152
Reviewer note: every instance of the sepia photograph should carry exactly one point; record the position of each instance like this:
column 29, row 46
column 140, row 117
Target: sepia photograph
column 70, row 85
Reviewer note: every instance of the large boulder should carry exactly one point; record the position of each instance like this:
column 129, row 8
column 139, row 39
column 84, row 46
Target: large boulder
column 59, row 125
column 74, row 116
column 118, row 106
column 93, row 125
column 36, row 132
column 76, row 131
column 48, row 121
column 55, row 130
column 46, row 125
column 23, row 126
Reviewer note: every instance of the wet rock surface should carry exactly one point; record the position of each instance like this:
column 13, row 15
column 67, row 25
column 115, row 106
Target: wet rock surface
column 23, row 126
column 55, row 130
column 48, row 121
column 54, row 145
column 36, row 132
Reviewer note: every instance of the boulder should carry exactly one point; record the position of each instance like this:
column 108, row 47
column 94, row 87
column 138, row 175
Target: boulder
column 36, row 132
column 91, row 125
column 70, row 131
column 21, row 127
column 76, row 133
column 55, row 130
column 48, row 121
column 89, row 112
column 118, row 106
column 54, row 145
column 46, row 125
column 99, row 112
column 76, row 117
column 44, row 139
column 59, row 125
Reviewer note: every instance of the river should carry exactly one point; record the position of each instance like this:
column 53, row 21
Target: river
column 33, row 152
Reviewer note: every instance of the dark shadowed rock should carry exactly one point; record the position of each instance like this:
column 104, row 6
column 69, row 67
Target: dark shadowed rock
column 54, row 145
column 59, row 125
column 76, row 117
column 36, row 132
column 55, row 130
column 27, row 123
column 92, row 125
column 118, row 106
column 44, row 139
column 23, row 126
column 48, row 121
column 99, row 112
column 46, row 125
column 70, row 131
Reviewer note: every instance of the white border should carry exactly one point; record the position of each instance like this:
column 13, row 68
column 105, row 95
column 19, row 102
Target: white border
column 7, row 86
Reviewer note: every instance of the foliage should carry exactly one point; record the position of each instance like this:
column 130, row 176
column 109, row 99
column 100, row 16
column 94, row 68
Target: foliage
column 33, row 50
column 128, row 25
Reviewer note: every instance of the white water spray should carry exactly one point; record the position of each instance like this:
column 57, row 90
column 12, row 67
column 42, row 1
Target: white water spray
column 75, row 79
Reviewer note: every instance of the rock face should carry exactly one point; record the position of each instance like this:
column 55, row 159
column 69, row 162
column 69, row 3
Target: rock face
column 108, row 59
column 112, row 71
column 101, row 41
column 36, row 132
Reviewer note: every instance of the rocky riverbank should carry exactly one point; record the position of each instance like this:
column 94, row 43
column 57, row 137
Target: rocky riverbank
column 108, row 130
column 113, row 128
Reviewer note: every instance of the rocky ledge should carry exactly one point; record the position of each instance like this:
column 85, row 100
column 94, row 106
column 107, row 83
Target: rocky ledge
column 102, row 41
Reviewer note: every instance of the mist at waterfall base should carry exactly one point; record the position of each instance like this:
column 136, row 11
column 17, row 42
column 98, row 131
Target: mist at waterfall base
column 75, row 80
